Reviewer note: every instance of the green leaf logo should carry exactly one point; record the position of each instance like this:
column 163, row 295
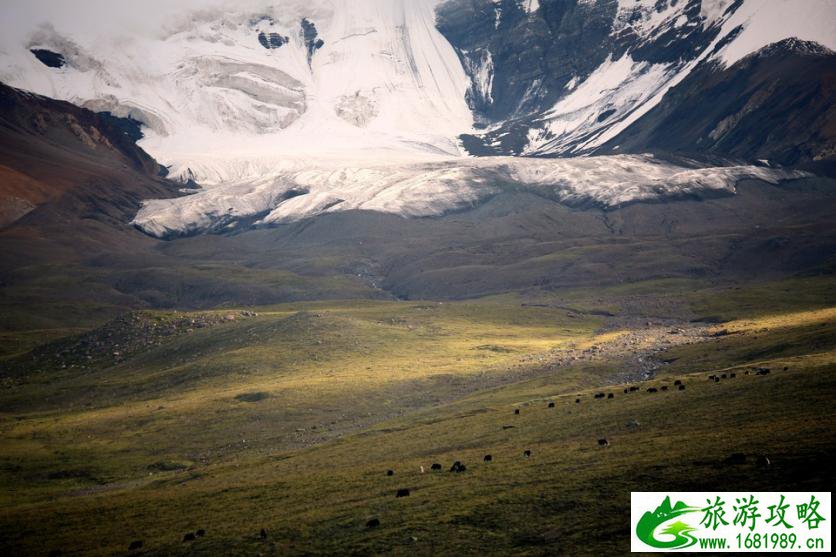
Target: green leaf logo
column 681, row 532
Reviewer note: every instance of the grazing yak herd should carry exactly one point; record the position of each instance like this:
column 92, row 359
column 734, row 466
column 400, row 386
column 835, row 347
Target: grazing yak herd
column 602, row 442
column 459, row 467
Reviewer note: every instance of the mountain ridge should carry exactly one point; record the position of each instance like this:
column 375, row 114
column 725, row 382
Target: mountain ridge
column 614, row 62
column 776, row 104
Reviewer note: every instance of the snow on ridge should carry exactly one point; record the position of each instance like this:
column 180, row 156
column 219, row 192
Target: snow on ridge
column 765, row 22
column 609, row 94
column 296, row 191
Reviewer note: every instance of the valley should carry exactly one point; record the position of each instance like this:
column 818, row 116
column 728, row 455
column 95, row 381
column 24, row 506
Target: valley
column 253, row 420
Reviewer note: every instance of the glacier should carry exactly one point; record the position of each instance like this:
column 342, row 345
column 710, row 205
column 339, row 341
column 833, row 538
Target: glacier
column 285, row 191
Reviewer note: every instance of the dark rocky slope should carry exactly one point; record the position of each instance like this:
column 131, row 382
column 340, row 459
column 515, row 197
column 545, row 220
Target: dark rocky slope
column 777, row 104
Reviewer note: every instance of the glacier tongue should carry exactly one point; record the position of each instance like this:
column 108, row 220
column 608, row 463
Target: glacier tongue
column 284, row 191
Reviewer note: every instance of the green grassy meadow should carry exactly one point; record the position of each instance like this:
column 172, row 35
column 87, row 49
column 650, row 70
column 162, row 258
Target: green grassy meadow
column 287, row 419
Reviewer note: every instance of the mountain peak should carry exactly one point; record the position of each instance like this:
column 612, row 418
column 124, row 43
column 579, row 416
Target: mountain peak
column 794, row 45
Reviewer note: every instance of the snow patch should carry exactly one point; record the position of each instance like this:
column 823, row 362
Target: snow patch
column 712, row 10
column 616, row 87
column 572, row 83
column 530, row 6
column 479, row 65
column 646, row 18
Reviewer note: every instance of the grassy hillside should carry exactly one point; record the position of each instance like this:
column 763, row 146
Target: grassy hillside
column 288, row 420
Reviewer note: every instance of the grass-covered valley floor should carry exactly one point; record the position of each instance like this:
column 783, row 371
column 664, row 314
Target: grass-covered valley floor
column 286, row 418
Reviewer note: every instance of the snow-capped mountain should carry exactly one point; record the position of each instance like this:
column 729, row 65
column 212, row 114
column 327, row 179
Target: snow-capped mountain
column 287, row 109
column 571, row 76
column 310, row 77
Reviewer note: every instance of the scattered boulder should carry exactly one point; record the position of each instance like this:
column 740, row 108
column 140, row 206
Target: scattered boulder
column 402, row 492
column 252, row 397
column 735, row 458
